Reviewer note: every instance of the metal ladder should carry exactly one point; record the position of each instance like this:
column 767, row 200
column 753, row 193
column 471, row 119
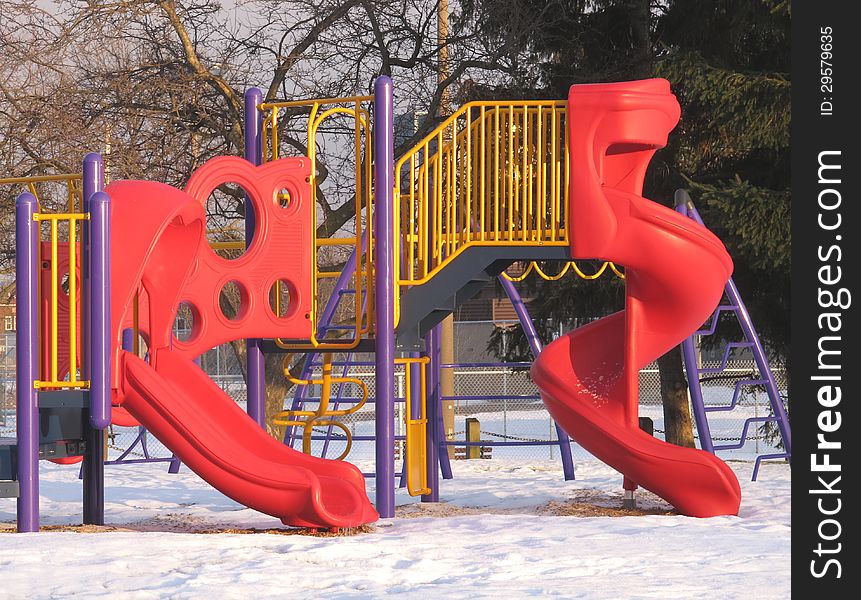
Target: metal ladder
column 733, row 305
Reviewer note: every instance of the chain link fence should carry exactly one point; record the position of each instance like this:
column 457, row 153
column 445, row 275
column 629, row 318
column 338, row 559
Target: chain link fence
column 503, row 399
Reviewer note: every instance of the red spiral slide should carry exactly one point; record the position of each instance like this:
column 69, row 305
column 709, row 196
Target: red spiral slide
column 675, row 271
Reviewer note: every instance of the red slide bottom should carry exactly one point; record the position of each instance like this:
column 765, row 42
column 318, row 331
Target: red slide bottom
column 575, row 373
column 675, row 272
column 205, row 428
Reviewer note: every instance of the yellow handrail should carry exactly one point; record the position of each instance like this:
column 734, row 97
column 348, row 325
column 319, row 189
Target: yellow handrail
column 72, row 181
column 492, row 174
column 363, row 284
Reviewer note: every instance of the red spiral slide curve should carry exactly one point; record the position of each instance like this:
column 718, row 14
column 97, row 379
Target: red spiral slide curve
column 675, row 272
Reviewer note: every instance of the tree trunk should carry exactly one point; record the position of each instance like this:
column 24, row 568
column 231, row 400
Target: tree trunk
column 674, row 396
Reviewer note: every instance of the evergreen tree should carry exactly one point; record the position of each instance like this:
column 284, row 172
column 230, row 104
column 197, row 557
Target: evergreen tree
column 728, row 62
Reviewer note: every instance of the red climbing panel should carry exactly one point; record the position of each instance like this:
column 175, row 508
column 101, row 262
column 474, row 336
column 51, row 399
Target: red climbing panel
column 675, row 271
column 279, row 250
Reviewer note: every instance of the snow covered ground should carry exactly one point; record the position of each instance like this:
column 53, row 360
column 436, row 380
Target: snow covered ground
column 501, row 533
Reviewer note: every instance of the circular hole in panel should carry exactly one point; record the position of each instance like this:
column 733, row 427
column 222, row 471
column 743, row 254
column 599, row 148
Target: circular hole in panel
column 233, row 300
column 225, row 220
column 286, row 197
column 64, row 283
column 186, row 322
column 279, row 298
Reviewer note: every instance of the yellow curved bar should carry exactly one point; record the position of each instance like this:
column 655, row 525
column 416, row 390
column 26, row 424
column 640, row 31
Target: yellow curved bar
column 556, row 277
column 520, row 277
column 315, row 417
column 533, row 266
column 308, row 430
column 586, row 276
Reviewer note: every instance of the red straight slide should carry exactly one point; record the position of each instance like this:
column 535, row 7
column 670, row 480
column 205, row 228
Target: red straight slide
column 160, row 258
column 675, row 271
column 205, row 428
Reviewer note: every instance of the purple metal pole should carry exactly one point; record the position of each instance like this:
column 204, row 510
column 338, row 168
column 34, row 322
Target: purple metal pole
column 758, row 350
column 93, row 468
column 433, row 413
column 100, row 310
column 27, row 360
column 384, row 282
column 255, row 360
column 689, row 353
column 536, row 347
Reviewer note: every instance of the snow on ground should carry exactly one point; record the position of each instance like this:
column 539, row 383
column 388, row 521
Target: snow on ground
column 497, row 536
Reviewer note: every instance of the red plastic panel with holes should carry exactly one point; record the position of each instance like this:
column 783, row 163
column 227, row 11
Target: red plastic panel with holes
column 160, row 250
column 280, row 252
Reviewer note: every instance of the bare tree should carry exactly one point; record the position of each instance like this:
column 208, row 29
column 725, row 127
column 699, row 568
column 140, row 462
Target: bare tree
column 160, row 83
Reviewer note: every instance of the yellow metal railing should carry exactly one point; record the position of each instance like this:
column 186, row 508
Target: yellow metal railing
column 72, row 181
column 318, row 111
column 69, row 219
column 492, row 174
column 54, row 380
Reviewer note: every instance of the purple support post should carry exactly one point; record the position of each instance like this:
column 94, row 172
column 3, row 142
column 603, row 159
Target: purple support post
column 27, row 357
column 93, row 468
column 434, row 430
column 689, row 352
column 255, row 360
column 536, row 347
column 175, row 464
column 384, row 284
column 750, row 334
column 100, row 310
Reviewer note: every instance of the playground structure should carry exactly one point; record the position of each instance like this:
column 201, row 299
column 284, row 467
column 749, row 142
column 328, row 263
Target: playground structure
column 496, row 183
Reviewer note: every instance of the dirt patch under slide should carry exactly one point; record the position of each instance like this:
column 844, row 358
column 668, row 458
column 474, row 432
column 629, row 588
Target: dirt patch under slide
column 584, row 503
column 174, row 523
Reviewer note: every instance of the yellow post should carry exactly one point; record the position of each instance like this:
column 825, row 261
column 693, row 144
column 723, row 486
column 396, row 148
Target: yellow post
column 446, row 380
column 473, row 434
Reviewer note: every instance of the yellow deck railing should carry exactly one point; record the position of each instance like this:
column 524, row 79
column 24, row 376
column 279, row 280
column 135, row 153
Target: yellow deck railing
column 54, row 381
column 318, row 112
column 72, row 181
column 68, row 220
column 492, row 174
